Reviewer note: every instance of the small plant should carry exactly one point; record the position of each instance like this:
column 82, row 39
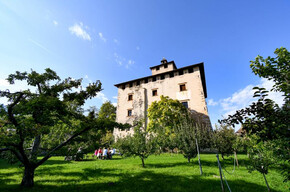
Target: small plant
column 140, row 144
column 261, row 157
column 224, row 139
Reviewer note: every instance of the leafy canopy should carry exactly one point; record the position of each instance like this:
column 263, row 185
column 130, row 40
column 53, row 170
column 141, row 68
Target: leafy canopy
column 32, row 115
column 164, row 114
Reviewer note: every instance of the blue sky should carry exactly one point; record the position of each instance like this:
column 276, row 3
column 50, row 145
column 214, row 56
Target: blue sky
column 115, row 41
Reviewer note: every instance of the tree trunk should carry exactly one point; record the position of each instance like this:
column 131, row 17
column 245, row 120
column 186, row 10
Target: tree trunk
column 188, row 159
column 27, row 180
column 143, row 164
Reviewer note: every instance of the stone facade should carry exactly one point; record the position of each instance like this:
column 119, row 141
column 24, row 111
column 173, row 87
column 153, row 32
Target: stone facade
column 186, row 84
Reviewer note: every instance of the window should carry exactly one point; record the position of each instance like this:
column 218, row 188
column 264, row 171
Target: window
column 129, row 112
column 190, row 70
column 130, row 97
column 165, row 65
column 154, row 92
column 157, row 68
column 185, row 104
column 182, row 87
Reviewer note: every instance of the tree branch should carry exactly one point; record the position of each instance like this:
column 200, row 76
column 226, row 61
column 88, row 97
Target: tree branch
column 61, row 145
column 10, row 110
column 35, row 146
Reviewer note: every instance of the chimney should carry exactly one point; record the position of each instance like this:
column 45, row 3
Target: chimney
column 163, row 61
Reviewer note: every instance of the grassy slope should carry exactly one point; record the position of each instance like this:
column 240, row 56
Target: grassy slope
column 162, row 173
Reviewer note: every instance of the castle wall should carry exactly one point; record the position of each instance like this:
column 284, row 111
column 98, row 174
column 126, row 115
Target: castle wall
column 169, row 86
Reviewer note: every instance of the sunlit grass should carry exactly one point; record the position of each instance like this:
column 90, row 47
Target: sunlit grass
column 162, row 173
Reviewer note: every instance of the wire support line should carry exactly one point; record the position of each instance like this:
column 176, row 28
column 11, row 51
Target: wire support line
column 232, row 170
column 224, row 176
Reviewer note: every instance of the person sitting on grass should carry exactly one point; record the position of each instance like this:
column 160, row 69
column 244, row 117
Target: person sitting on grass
column 109, row 156
column 99, row 154
column 112, row 152
column 105, row 153
column 79, row 155
column 96, row 153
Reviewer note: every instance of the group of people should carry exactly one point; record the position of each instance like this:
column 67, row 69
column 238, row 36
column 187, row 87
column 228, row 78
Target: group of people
column 105, row 153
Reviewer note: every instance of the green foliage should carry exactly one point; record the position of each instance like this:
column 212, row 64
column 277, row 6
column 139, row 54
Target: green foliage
column 240, row 144
column 264, row 120
column 224, row 138
column 107, row 111
column 164, row 114
column 260, row 155
column 186, row 135
column 53, row 109
column 276, row 69
column 141, row 144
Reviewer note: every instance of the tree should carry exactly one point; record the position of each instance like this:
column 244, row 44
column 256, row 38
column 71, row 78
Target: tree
column 141, row 144
column 224, row 139
column 88, row 141
column 264, row 119
column 186, row 132
column 30, row 116
column 163, row 116
column 276, row 69
column 261, row 156
column 107, row 111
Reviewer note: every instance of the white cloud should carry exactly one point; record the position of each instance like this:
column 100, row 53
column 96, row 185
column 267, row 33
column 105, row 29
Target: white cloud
column 4, row 83
column 77, row 29
column 137, row 48
column 123, row 61
column 17, row 86
column 115, row 97
column 129, row 63
column 102, row 37
column 86, row 76
column 115, row 104
column 102, row 97
column 244, row 98
column 55, row 23
column 276, row 96
column 119, row 60
column 211, row 102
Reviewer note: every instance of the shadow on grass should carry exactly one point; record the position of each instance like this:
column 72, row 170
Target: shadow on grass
column 144, row 181
column 116, row 180
column 55, row 162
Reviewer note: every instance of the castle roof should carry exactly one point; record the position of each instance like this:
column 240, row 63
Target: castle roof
column 180, row 72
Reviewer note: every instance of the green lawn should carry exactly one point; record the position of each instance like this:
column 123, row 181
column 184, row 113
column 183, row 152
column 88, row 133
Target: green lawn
column 162, row 173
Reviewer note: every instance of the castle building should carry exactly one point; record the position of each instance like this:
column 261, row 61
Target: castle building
column 186, row 84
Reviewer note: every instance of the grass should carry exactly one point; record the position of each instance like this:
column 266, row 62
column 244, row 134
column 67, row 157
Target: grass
column 162, row 173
